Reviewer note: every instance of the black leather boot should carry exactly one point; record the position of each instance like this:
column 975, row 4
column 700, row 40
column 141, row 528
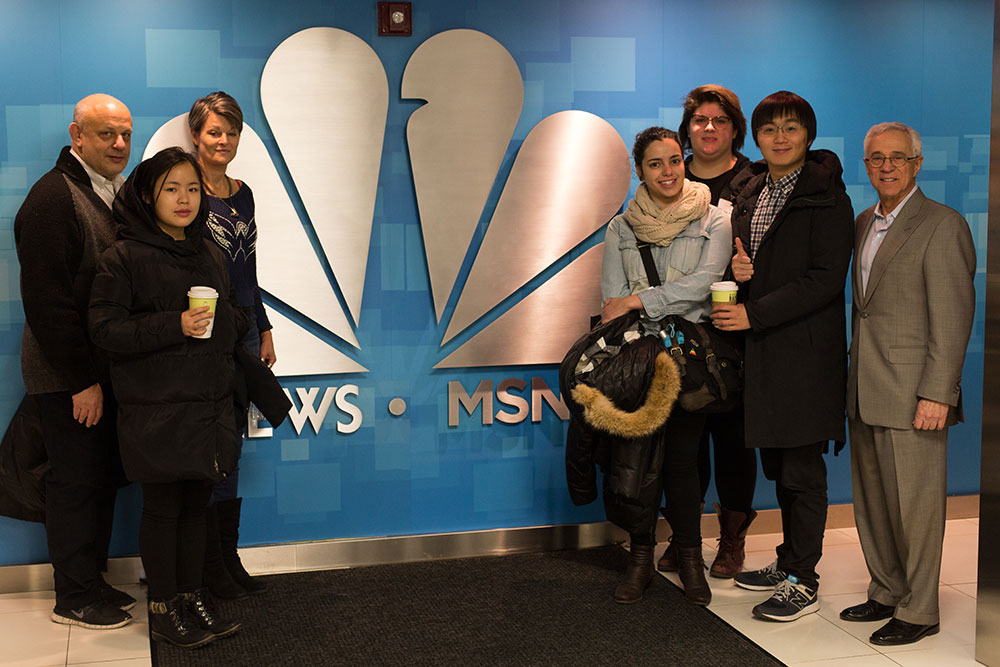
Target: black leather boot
column 691, row 568
column 199, row 606
column 216, row 575
column 169, row 623
column 229, row 535
column 638, row 574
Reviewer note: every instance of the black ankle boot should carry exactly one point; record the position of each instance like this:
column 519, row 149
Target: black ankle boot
column 638, row 574
column 199, row 607
column 216, row 576
column 169, row 623
column 229, row 536
column 691, row 568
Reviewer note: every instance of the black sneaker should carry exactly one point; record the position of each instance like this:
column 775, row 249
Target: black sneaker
column 116, row 598
column 97, row 615
column 763, row 579
column 791, row 600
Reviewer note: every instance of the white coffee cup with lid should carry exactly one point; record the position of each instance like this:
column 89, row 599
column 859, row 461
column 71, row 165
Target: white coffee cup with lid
column 199, row 296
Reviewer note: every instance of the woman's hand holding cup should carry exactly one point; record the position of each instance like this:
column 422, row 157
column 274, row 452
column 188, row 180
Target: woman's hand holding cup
column 195, row 321
column 201, row 307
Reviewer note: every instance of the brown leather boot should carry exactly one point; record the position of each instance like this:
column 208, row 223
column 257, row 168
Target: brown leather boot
column 691, row 568
column 668, row 561
column 638, row 574
column 732, row 536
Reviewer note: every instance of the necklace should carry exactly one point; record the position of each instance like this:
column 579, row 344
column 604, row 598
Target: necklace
column 228, row 199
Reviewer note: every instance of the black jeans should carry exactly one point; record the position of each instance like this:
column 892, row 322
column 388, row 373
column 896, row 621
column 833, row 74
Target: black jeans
column 735, row 464
column 799, row 474
column 172, row 536
column 80, row 494
column 681, row 436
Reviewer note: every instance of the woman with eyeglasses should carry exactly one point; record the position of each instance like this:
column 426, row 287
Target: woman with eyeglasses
column 713, row 129
column 793, row 231
column 689, row 243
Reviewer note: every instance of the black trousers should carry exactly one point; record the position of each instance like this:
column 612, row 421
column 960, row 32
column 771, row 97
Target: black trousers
column 172, row 536
column 80, row 494
column 735, row 464
column 681, row 436
column 799, row 474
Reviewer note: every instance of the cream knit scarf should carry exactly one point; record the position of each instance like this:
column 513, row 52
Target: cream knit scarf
column 659, row 226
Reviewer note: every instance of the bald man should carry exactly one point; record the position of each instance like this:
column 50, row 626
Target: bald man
column 60, row 230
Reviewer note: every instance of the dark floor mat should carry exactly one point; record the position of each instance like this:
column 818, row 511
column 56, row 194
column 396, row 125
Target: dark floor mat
column 551, row 608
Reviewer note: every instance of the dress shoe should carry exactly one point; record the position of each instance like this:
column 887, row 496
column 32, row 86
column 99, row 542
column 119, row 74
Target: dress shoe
column 897, row 633
column 867, row 611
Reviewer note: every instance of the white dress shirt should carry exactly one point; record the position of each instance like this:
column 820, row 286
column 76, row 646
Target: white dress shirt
column 106, row 188
column 876, row 234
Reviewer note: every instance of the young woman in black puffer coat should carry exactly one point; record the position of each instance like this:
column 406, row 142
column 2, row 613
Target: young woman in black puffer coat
column 176, row 422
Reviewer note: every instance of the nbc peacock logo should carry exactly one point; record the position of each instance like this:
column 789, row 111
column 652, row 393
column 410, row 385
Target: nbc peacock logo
column 325, row 96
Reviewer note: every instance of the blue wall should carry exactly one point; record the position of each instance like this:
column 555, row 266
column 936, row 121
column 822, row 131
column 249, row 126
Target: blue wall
column 630, row 62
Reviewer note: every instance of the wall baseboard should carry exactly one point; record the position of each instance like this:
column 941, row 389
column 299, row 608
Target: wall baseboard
column 356, row 552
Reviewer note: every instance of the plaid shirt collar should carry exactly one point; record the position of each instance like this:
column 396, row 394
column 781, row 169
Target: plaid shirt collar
column 784, row 185
column 772, row 198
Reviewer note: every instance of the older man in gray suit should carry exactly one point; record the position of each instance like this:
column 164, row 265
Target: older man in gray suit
column 914, row 263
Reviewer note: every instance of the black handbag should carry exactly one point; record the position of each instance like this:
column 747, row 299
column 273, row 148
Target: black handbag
column 710, row 361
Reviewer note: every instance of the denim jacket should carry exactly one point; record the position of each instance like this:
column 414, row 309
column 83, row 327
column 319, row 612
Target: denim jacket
column 694, row 260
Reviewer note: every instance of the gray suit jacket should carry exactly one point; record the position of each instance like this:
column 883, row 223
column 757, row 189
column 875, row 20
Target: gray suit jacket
column 911, row 326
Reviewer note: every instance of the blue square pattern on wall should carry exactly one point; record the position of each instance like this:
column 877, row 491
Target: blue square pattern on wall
column 603, row 63
column 195, row 65
column 630, row 62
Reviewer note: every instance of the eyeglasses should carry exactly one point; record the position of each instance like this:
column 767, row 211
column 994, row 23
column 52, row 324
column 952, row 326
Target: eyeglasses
column 896, row 160
column 717, row 121
column 772, row 130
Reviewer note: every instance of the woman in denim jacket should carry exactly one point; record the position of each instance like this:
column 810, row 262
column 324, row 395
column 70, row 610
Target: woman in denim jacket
column 691, row 243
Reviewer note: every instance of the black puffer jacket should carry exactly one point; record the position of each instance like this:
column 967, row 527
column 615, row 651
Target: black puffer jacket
column 795, row 364
column 631, row 465
column 175, row 393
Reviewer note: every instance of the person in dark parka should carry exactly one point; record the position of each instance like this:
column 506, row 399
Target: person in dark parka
column 793, row 238
column 176, row 425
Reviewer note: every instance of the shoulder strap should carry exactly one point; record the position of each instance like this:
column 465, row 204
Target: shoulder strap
column 647, row 261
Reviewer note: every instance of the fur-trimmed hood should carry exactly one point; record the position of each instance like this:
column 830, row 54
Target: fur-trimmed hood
column 600, row 412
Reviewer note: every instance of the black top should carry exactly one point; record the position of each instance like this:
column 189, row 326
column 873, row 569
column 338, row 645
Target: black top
column 719, row 185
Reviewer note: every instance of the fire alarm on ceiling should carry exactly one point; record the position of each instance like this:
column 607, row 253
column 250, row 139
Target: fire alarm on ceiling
column 395, row 18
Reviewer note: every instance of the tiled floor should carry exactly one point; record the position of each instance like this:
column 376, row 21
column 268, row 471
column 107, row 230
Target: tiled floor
column 29, row 639
column 822, row 639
